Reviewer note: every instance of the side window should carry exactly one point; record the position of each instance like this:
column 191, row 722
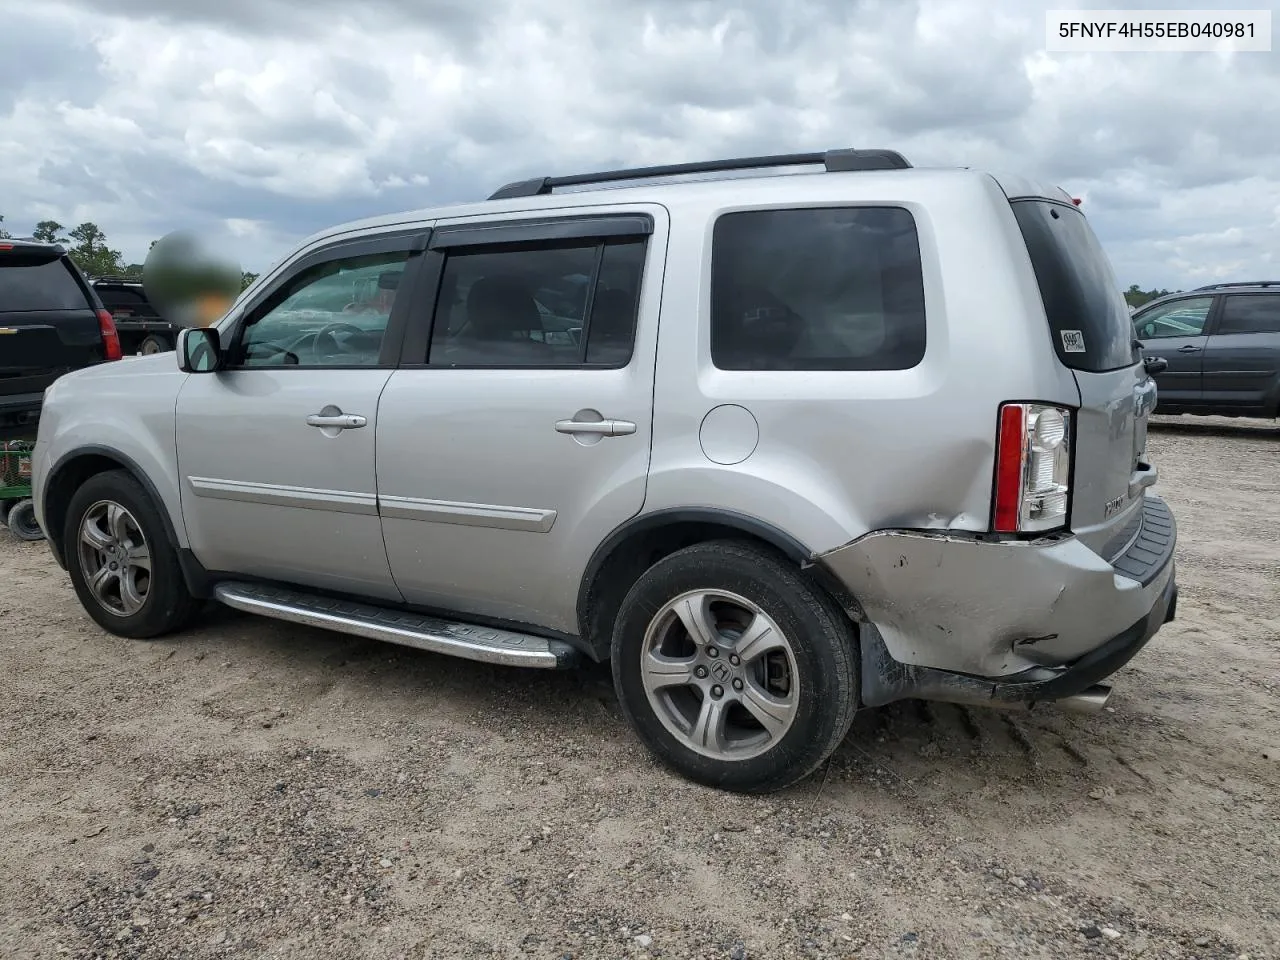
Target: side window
column 1183, row 318
column 539, row 305
column 332, row 315
column 1250, row 313
column 821, row 289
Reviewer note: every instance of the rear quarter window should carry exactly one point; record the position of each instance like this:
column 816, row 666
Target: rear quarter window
column 1089, row 321
column 34, row 284
column 838, row 288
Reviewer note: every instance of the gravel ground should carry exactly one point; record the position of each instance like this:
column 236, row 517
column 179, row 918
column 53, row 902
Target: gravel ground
column 254, row 789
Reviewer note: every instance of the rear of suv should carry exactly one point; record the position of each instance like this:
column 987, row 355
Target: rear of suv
column 51, row 323
column 780, row 438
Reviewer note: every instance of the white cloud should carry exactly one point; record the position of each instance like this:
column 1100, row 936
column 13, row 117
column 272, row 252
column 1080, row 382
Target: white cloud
column 295, row 114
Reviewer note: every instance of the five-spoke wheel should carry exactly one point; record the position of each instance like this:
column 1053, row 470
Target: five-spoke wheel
column 114, row 558
column 122, row 558
column 733, row 668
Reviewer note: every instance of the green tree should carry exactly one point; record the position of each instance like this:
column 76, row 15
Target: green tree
column 91, row 253
column 246, row 278
column 49, row 231
column 1136, row 297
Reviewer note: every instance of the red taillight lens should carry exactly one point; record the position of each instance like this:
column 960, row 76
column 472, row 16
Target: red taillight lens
column 1033, row 468
column 110, row 337
column 1011, row 449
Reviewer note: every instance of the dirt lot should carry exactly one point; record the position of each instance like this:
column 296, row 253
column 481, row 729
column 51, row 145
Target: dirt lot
column 260, row 790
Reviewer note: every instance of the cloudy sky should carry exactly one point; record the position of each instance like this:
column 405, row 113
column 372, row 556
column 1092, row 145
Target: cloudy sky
column 270, row 119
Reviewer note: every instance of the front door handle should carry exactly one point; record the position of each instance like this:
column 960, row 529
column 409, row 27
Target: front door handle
column 601, row 428
column 341, row 421
column 1189, row 348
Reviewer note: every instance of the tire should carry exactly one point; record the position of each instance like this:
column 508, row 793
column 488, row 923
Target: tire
column 5, row 507
column 153, row 344
column 738, row 592
column 133, row 602
column 22, row 521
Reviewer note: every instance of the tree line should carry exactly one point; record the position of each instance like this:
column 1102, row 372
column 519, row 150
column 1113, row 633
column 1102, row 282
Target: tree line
column 87, row 246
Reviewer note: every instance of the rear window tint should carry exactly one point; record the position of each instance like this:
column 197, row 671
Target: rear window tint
column 818, row 289
column 1088, row 318
column 38, row 284
column 125, row 299
column 1250, row 313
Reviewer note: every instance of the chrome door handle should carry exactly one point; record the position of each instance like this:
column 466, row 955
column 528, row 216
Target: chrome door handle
column 1189, row 348
column 343, row 421
column 604, row 428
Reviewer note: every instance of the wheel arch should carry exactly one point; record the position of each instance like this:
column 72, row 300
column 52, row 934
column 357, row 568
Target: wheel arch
column 71, row 470
column 643, row 540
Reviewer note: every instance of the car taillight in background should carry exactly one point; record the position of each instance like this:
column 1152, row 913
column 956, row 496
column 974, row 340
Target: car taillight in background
column 110, row 337
column 1033, row 468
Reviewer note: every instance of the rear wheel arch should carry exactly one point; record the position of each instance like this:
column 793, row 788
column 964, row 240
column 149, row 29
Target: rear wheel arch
column 642, row 541
column 72, row 470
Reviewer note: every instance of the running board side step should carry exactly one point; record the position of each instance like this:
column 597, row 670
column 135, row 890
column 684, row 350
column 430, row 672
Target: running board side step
column 452, row 638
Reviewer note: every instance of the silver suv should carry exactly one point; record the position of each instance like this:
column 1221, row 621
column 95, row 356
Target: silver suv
column 780, row 438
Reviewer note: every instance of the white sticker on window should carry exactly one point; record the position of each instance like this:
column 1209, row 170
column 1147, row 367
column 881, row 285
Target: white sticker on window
column 1073, row 341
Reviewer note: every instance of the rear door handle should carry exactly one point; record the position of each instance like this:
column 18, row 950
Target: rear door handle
column 604, row 428
column 343, row 421
column 1189, row 348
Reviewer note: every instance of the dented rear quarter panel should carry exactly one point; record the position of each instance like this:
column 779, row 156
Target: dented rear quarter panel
column 842, row 453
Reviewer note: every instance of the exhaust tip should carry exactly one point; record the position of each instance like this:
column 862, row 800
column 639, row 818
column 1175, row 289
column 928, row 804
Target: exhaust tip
column 1090, row 700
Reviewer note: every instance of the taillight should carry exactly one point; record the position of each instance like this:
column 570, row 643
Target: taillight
column 110, row 337
column 1033, row 468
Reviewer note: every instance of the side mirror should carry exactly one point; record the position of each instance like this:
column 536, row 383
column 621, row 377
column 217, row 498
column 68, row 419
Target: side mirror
column 199, row 350
column 1154, row 365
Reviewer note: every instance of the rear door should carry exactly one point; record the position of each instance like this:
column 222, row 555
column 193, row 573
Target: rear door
column 1177, row 332
column 516, row 437
column 1242, row 357
column 1092, row 333
column 48, row 323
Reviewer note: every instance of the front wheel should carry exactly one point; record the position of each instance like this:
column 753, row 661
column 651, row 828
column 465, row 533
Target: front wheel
column 733, row 669
column 123, row 566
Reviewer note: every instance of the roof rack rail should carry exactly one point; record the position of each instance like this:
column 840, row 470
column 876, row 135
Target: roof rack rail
column 835, row 161
column 1240, row 283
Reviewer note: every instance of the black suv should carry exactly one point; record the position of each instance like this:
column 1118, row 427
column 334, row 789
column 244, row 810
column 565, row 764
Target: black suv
column 1222, row 344
column 141, row 327
column 51, row 322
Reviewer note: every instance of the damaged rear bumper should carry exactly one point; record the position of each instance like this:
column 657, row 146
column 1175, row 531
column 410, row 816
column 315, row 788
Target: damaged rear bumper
column 1048, row 612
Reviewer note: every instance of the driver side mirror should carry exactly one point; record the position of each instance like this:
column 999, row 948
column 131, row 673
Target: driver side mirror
column 199, row 350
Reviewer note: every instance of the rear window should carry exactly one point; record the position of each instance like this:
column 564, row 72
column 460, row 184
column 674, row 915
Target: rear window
column 837, row 288
column 1088, row 317
column 1250, row 313
column 125, row 300
column 37, row 283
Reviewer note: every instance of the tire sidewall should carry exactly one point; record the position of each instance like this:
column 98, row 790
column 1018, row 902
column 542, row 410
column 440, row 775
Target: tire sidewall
column 167, row 593
column 22, row 523
column 806, row 620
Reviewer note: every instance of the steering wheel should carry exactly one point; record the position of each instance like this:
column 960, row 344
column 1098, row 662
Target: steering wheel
column 329, row 329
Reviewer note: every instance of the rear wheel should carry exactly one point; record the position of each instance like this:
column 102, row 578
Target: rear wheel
column 123, row 566
column 153, row 344
column 22, row 521
column 733, row 669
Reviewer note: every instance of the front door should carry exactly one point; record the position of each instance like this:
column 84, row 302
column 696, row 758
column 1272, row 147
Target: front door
column 520, row 439
column 276, row 450
column 1176, row 332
